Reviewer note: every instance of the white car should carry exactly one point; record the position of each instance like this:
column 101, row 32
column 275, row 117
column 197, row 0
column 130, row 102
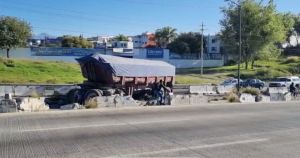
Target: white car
column 285, row 81
column 231, row 82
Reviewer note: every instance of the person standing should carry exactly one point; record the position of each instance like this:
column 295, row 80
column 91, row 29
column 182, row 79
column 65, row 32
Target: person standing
column 293, row 89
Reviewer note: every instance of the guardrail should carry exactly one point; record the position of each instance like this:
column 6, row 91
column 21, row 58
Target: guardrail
column 35, row 89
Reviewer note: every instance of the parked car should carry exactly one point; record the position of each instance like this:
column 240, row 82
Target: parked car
column 256, row 83
column 284, row 81
column 231, row 82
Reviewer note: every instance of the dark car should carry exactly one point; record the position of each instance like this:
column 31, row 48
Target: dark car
column 256, row 83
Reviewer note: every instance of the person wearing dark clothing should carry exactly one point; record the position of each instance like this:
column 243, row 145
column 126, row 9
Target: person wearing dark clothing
column 293, row 89
column 159, row 91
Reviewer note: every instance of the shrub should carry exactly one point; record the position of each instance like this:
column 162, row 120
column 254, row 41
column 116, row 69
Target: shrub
column 9, row 63
column 292, row 59
column 232, row 98
column 252, row 91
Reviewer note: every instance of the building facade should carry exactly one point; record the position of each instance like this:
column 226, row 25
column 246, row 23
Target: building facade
column 144, row 40
column 213, row 44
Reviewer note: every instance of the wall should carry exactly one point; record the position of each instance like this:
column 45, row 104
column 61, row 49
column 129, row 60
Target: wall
column 25, row 53
column 185, row 63
column 178, row 63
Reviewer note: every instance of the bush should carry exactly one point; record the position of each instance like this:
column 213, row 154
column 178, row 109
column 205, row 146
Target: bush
column 233, row 98
column 292, row 59
column 252, row 91
column 9, row 63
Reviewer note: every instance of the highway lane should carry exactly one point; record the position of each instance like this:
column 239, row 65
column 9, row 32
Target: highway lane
column 231, row 130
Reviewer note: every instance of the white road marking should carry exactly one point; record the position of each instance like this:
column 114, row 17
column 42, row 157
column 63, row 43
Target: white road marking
column 105, row 125
column 197, row 147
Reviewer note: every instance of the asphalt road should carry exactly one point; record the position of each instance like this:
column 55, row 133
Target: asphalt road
column 257, row 130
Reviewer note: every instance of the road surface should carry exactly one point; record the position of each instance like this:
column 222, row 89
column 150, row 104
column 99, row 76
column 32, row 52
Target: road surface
column 217, row 131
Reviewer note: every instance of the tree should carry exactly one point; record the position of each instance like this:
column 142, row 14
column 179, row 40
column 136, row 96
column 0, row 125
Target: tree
column 13, row 33
column 179, row 47
column 261, row 26
column 297, row 23
column 187, row 43
column 121, row 37
column 75, row 42
column 165, row 36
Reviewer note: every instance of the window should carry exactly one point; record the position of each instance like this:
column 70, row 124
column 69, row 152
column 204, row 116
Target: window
column 213, row 41
column 213, row 49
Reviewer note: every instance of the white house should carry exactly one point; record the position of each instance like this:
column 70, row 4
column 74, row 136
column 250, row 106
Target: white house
column 122, row 44
column 101, row 41
column 143, row 40
column 213, row 44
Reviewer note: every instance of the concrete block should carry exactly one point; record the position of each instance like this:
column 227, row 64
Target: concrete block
column 72, row 106
column 224, row 89
column 198, row 99
column 33, row 104
column 265, row 99
column 247, row 98
column 116, row 101
column 280, row 96
column 206, row 89
column 180, row 100
column 105, row 101
column 8, row 105
column 121, row 101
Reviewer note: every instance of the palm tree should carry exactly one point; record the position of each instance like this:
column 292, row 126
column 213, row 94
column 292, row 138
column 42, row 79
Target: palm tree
column 165, row 36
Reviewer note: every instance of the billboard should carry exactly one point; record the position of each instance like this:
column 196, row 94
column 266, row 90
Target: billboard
column 155, row 53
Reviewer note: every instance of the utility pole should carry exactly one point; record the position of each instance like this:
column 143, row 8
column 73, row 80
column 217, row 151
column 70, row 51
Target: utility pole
column 240, row 46
column 202, row 30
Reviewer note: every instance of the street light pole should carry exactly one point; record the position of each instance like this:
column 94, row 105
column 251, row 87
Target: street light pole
column 202, row 30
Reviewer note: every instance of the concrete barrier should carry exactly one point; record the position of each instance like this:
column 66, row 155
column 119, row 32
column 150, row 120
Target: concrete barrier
column 224, row 89
column 116, row 101
column 8, row 105
column 35, row 90
column 280, row 96
column 247, row 98
column 188, row 99
column 205, row 89
column 33, row 104
column 265, row 99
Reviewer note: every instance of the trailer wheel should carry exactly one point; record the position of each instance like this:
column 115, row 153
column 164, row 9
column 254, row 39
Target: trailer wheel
column 92, row 93
column 73, row 96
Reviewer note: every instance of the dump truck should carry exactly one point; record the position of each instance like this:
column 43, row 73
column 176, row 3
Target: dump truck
column 109, row 75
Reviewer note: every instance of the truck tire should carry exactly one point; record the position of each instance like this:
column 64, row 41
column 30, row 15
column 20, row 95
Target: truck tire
column 92, row 93
column 72, row 96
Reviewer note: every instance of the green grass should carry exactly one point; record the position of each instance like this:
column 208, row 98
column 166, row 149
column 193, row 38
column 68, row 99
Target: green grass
column 29, row 71
column 264, row 70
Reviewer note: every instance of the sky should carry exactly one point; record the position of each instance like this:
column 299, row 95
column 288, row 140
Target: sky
column 129, row 17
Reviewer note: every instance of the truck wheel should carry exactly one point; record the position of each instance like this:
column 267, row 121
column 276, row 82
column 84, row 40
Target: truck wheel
column 92, row 93
column 72, row 96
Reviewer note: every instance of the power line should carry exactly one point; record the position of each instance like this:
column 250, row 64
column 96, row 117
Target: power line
column 74, row 16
